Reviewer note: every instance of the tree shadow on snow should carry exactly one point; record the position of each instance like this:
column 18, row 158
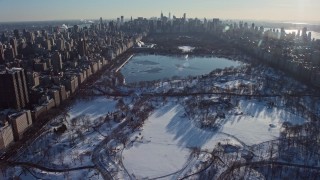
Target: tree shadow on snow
column 185, row 132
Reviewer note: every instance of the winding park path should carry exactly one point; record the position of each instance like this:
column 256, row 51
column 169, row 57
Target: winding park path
column 43, row 168
column 96, row 152
column 225, row 174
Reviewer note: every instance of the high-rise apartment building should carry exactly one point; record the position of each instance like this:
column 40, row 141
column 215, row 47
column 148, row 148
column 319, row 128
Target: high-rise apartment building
column 57, row 62
column 1, row 54
column 60, row 44
column 6, row 135
column 20, row 122
column 14, row 44
column 9, row 53
column 82, row 47
column 13, row 89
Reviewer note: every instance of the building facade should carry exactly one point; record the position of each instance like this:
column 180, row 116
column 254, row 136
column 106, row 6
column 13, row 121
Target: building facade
column 13, row 91
column 6, row 136
column 20, row 122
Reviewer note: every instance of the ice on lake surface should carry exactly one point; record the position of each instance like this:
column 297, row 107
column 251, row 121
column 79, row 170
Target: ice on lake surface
column 155, row 67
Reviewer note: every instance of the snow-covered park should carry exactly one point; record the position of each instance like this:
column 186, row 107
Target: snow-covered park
column 171, row 142
column 165, row 144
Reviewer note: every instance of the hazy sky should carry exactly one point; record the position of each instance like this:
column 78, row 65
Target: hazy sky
column 288, row 10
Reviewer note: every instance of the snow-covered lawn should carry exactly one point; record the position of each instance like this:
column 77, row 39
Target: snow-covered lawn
column 165, row 146
column 95, row 108
column 258, row 122
column 168, row 136
column 160, row 153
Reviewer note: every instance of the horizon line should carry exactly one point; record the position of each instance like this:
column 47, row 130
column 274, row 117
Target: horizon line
column 296, row 22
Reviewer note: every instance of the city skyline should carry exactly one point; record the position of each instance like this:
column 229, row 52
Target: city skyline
column 274, row 10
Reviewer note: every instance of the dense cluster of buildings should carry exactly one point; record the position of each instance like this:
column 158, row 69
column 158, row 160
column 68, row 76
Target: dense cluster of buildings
column 295, row 53
column 166, row 24
column 41, row 69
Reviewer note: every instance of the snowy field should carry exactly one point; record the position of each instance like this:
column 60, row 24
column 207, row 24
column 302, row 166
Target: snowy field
column 258, row 122
column 95, row 108
column 160, row 153
column 165, row 147
column 168, row 136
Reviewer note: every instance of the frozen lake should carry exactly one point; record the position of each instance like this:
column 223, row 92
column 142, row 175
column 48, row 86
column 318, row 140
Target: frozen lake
column 155, row 67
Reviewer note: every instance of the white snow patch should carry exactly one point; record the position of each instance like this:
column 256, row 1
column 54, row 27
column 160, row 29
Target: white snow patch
column 167, row 137
column 186, row 48
column 93, row 108
column 253, row 126
column 233, row 83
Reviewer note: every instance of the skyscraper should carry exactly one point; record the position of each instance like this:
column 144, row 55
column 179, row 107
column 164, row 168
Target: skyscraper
column 9, row 53
column 1, row 54
column 56, row 62
column 101, row 24
column 13, row 91
column 82, row 47
column 118, row 21
column 16, row 33
column 304, row 31
column 122, row 20
column 304, row 34
column 14, row 44
column 47, row 44
column 309, row 36
column 60, row 44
